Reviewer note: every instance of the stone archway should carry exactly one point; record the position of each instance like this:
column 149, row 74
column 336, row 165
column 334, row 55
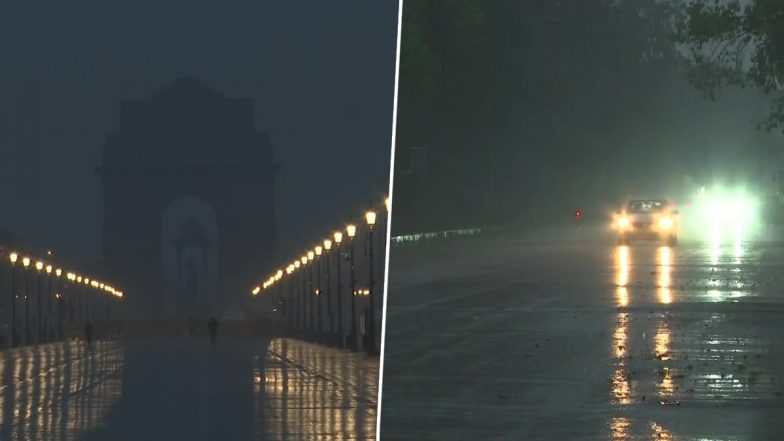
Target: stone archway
column 189, row 254
column 188, row 195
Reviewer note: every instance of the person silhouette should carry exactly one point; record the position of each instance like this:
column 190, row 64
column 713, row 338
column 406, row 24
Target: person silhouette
column 88, row 334
column 212, row 325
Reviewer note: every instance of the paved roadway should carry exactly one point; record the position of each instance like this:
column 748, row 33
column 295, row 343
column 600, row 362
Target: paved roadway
column 182, row 389
column 579, row 339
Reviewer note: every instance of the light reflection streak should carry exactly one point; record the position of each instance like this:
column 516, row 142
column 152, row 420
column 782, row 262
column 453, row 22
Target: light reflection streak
column 665, row 262
column 666, row 387
column 619, row 428
column 621, row 388
column 622, row 278
column 311, row 391
column 58, row 391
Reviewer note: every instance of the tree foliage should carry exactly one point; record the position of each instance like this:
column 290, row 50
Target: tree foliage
column 506, row 94
column 734, row 43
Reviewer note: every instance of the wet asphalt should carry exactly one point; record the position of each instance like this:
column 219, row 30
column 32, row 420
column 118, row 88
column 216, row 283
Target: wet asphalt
column 185, row 389
column 551, row 338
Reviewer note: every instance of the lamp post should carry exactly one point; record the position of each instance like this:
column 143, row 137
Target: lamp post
column 303, row 261
column 86, row 300
column 58, row 272
column 13, row 257
column 370, row 218
column 48, row 329
column 287, row 302
column 319, row 250
column 277, row 296
column 39, row 330
column 76, row 309
column 26, row 265
column 312, row 310
column 352, row 231
column 338, row 236
column 330, row 315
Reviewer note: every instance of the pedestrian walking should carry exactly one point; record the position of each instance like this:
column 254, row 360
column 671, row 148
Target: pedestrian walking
column 88, row 334
column 212, row 325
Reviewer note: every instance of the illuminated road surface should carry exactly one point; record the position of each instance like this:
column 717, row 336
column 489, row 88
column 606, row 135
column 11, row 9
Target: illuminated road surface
column 178, row 388
column 583, row 340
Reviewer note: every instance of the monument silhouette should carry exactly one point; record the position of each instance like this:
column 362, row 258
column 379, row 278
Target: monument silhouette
column 188, row 210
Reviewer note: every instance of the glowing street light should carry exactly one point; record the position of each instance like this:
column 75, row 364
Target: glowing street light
column 370, row 218
column 338, row 236
column 319, row 250
column 327, row 247
column 351, row 229
column 48, row 327
column 26, row 264
column 309, row 298
column 13, row 257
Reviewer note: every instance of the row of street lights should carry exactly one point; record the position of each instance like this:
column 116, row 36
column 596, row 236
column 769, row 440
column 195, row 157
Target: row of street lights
column 74, row 283
column 302, row 292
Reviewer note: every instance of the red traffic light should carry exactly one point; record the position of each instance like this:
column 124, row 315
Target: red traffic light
column 578, row 213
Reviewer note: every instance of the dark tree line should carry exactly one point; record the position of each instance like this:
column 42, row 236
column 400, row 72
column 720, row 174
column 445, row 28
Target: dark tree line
column 520, row 104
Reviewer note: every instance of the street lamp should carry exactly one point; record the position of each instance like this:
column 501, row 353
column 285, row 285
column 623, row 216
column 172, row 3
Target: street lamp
column 77, row 298
column 338, row 236
column 330, row 327
column 59, row 272
column 49, row 298
column 312, row 310
column 13, row 257
column 303, row 294
column 286, row 305
column 26, row 265
column 370, row 218
column 298, row 298
column 319, row 250
column 351, row 229
column 38, row 267
column 86, row 300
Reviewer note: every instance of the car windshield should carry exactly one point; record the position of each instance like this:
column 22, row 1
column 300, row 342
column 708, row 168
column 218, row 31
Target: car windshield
column 646, row 206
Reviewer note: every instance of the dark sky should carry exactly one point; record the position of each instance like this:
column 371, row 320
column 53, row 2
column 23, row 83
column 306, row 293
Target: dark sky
column 321, row 73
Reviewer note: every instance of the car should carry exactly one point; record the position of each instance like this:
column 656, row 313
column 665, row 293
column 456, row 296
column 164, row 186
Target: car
column 649, row 219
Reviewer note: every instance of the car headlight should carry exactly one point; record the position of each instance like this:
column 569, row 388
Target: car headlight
column 623, row 222
column 665, row 223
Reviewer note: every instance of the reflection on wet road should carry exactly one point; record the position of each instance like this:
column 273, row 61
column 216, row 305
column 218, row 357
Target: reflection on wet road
column 55, row 392
column 563, row 340
column 181, row 388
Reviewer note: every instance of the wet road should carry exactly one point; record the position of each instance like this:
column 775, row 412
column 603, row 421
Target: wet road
column 499, row 338
column 181, row 388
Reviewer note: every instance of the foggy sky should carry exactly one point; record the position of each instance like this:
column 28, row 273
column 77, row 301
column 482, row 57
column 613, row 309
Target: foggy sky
column 321, row 75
